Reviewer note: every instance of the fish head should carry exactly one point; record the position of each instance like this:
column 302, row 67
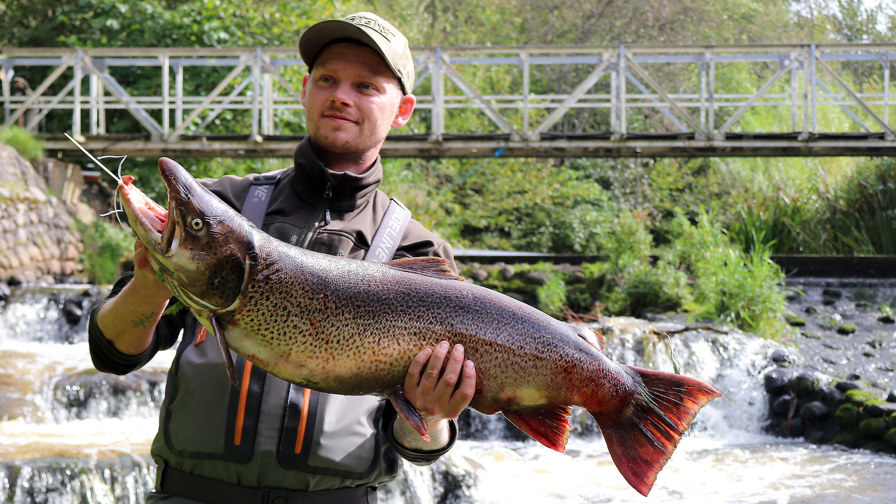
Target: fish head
column 199, row 245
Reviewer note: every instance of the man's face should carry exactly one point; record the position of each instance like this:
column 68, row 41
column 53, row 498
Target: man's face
column 352, row 99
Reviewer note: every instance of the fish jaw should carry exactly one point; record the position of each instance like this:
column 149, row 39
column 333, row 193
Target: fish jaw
column 147, row 218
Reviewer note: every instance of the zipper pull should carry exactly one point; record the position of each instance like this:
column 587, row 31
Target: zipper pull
column 328, row 193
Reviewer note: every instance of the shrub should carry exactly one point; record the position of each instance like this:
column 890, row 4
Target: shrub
column 106, row 246
column 26, row 144
column 744, row 289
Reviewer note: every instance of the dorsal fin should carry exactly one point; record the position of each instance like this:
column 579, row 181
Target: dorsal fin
column 435, row 267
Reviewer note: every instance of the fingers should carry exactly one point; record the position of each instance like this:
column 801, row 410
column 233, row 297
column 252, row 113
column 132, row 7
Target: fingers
column 412, row 380
column 145, row 274
column 440, row 382
column 430, row 381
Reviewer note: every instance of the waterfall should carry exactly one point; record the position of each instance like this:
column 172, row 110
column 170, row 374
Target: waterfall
column 69, row 434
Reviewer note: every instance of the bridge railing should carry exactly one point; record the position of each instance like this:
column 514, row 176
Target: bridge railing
column 515, row 93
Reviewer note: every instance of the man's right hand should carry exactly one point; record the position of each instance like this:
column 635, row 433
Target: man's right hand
column 145, row 275
column 129, row 319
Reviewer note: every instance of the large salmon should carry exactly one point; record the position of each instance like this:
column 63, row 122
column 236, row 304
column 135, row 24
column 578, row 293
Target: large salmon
column 353, row 327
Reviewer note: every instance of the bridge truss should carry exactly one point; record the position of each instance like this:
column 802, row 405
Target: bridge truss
column 549, row 101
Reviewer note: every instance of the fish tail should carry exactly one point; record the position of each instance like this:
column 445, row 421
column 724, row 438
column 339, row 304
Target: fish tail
column 642, row 435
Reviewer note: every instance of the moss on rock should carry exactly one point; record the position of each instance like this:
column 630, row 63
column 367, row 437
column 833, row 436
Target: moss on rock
column 847, row 416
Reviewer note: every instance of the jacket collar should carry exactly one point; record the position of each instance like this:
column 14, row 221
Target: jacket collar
column 348, row 191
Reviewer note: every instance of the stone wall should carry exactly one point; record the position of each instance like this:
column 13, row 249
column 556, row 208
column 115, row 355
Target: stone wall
column 38, row 238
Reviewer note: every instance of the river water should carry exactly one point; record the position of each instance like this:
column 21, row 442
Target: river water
column 67, row 436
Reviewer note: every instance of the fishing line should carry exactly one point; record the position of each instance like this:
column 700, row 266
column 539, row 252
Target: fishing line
column 465, row 177
column 116, row 204
column 95, row 160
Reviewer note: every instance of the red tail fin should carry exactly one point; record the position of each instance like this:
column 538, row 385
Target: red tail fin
column 642, row 437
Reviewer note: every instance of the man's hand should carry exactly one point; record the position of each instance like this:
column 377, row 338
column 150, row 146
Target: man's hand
column 129, row 319
column 439, row 391
column 145, row 275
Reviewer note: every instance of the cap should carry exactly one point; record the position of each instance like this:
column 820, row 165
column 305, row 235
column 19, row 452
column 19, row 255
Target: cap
column 369, row 29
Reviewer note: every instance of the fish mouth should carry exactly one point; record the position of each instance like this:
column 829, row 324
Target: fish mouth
column 148, row 219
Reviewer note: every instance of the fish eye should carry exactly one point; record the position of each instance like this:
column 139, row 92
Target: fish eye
column 196, row 223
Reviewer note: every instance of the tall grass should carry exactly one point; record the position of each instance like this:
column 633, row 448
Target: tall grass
column 852, row 212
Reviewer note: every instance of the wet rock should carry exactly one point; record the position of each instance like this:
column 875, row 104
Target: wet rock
column 832, row 293
column 796, row 428
column 891, row 397
column 886, row 319
column 781, row 404
column 831, row 396
column 849, row 439
column 876, row 409
column 91, row 394
column 806, row 384
column 795, row 320
column 890, row 438
column 782, row 358
column 846, row 329
column 873, row 428
column 847, row 416
column 72, row 310
column 777, row 381
column 814, row 411
column 875, row 343
column 860, row 397
column 846, row 386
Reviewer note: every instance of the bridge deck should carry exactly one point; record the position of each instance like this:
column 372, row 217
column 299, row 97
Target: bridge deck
column 548, row 101
column 488, row 145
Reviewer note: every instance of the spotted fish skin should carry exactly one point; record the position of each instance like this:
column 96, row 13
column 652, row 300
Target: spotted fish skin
column 353, row 327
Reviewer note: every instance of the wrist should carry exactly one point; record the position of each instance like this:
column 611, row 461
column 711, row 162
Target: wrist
column 438, row 430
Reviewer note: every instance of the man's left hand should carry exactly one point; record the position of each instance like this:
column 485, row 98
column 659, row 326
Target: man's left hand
column 439, row 391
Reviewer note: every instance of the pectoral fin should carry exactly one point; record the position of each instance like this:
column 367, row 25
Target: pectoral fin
column 410, row 414
column 225, row 351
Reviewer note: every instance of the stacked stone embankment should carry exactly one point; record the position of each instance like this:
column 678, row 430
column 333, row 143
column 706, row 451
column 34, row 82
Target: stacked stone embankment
column 38, row 236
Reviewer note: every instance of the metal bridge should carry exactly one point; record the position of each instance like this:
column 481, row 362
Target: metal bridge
column 532, row 101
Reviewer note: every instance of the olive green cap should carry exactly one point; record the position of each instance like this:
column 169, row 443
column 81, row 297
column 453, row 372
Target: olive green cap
column 370, row 29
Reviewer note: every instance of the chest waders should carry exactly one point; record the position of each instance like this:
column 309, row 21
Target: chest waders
column 276, row 435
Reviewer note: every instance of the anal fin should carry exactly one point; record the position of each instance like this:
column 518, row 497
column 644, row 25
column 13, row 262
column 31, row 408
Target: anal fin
column 548, row 424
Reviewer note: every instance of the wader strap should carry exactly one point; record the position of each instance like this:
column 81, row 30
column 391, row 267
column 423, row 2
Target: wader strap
column 214, row 491
column 388, row 235
column 256, row 204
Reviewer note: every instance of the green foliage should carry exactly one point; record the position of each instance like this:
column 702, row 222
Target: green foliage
column 158, row 23
column 512, row 204
column 105, row 244
column 729, row 284
column 26, row 144
column 552, row 295
column 850, row 212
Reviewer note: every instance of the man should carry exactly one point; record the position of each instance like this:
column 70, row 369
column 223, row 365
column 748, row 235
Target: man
column 271, row 441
